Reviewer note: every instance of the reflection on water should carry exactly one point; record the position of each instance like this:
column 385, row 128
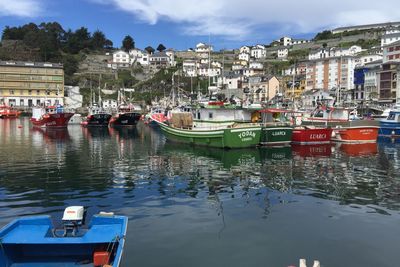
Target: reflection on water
column 243, row 207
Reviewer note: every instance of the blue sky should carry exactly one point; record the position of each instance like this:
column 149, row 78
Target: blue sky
column 180, row 24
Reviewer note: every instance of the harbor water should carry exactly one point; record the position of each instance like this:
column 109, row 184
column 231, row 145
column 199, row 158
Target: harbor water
column 195, row 206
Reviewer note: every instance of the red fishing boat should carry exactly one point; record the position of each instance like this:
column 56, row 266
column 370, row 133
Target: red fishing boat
column 8, row 112
column 51, row 116
column 345, row 124
column 311, row 135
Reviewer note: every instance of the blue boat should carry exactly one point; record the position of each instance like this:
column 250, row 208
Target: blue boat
column 34, row 241
column 391, row 125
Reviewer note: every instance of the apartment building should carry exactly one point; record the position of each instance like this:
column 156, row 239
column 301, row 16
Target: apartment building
column 27, row 84
column 330, row 73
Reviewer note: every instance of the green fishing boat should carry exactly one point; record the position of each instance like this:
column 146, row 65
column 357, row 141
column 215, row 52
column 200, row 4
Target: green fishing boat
column 182, row 129
column 276, row 129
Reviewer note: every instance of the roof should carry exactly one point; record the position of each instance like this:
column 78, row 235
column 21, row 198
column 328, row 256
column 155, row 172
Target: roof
column 159, row 54
column 31, row 64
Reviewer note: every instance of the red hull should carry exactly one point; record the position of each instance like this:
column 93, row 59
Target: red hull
column 305, row 135
column 7, row 112
column 56, row 120
column 360, row 134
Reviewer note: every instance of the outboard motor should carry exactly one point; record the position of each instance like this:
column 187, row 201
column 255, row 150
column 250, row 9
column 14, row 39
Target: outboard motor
column 73, row 218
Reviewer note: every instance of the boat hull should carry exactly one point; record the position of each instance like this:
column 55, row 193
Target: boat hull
column 222, row 138
column 56, row 120
column 276, row 135
column 366, row 134
column 128, row 119
column 391, row 129
column 97, row 120
column 32, row 241
column 305, row 135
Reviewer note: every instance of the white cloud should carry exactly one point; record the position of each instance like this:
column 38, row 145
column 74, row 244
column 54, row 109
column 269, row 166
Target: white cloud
column 21, row 8
column 237, row 19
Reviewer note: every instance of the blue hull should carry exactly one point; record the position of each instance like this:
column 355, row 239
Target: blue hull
column 389, row 129
column 31, row 242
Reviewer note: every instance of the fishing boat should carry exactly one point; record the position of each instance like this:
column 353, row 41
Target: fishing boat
column 346, row 127
column 127, row 116
column 181, row 128
column 50, row 116
column 97, row 117
column 390, row 126
column 155, row 114
column 35, row 241
column 311, row 135
column 276, row 128
column 8, row 112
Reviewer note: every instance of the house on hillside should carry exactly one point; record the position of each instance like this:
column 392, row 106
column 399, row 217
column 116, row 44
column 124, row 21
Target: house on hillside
column 258, row 51
column 121, row 59
column 245, row 49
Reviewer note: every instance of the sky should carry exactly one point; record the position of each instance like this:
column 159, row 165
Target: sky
column 181, row 24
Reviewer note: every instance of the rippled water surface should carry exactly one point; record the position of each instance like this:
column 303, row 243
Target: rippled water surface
column 210, row 207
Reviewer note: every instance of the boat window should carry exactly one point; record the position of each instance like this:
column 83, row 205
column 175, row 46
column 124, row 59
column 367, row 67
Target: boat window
column 210, row 115
column 319, row 114
column 391, row 116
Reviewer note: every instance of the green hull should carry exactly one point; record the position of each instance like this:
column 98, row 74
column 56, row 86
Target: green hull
column 222, row 138
column 276, row 135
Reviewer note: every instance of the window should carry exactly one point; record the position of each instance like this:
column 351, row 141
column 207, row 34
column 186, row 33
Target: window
column 38, row 92
column 391, row 116
column 12, row 92
column 21, row 102
column 210, row 115
column 30, row 92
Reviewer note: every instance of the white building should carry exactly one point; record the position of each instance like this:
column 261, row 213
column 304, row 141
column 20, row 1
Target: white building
column 256, row 65
column 204, row 71
column 334, row 52
column 171, row 54
column 285, row 41
column 258, row 51
column 371, row 80
column 244, row 56
column 314, row 97
column 203, row 50
column 390, row 36
column 331, row 73
column 245, row 49
column 121, row 59
column 189, row 68
column 282, row 53
column 365, row 59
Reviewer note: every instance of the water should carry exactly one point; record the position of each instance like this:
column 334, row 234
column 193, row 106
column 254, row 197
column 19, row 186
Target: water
column 209, row 207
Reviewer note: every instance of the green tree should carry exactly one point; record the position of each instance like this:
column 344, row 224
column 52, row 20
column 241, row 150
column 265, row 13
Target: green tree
column 98, row 40
column 323, row 35
column 128, row 43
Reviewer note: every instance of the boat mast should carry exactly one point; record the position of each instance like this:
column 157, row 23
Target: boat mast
column 209, row 64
